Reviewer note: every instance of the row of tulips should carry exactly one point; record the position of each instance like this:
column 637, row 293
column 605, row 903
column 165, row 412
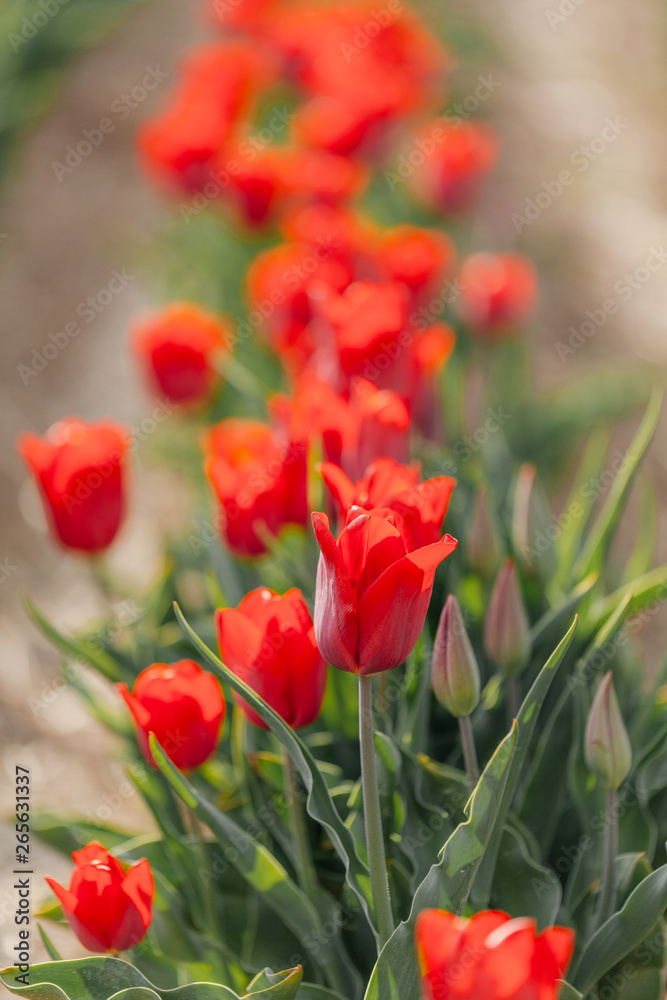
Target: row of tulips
column 362, row 321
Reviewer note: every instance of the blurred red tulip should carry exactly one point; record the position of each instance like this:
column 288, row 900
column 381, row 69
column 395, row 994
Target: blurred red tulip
column 372, row 594
column 269, row 642
column 418, row 258
column 388, row 486
column 490, row 956
column 109, row 909
column 183, row 706
column 449, row 161
column 260, row 478
column 498, row 291
column 381, row 428
column 80, row 471
column 183, row 346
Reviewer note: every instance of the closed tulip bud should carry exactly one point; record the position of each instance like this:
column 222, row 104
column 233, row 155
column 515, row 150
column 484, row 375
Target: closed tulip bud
column 454, row 671
column 506, row 629
column 608, row 750
column 484, row 544
column 532, row 524
column 109, row 909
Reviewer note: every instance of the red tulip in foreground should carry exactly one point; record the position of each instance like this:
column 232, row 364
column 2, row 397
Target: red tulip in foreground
column 183, row 706
column 269, row 642
column 387, row 484
column 80, row 471
column 490, row 957
column 181, row 346
column 108, row 908
column 372, row 592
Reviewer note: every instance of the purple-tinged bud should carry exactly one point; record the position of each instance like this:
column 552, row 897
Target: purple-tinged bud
column 533, row 528
column 484, row 544
column 454, row 671
column 506, row 629
column 608, row 750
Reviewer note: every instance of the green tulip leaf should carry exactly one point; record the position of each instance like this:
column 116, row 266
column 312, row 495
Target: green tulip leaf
column 78, row 649
column 396, row 976
column 277, row 985
column 568, row 992
column 319, row 803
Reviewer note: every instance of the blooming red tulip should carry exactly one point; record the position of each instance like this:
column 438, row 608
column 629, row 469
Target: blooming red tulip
column 269, row 642
column 460, row 156
column 381, row 424
column 490, row 957
column 261, row 480
column 108, row 908
column 183, row 706
column 182, row 346
column 418, row 258
column 498, row 291
column 393, row 487
column 80, row 471
column 372, row 593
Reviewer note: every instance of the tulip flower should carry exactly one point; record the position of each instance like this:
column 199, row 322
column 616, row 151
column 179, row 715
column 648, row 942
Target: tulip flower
column 459, row 156
column 490, row 956
column 182, row 347
column 80, row 472
column 454, row 669
column 269, row 642
column 183, row 706
column 608, row 750
column 109, row 909
column 484, row 543
column 506, row 628
column 498, row 292
column 372, row 593
column 418, row 258
column 387, row 484
column 381, row 427
column 260, row 480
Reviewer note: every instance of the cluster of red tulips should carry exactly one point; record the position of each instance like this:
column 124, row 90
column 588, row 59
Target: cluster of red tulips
column 358, row 315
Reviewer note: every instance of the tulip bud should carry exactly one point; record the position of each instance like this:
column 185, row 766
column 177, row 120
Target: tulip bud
column 532, row 524
column 454, row 670
column 484, row 545
column 506, row 629
column 608, row 750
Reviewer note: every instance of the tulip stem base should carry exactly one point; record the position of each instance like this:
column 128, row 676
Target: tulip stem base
column 303, row 860
column 607, row 883
column 377, row 863
column 469, row 751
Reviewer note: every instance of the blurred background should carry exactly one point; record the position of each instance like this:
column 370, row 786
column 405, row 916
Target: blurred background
column 576, row 85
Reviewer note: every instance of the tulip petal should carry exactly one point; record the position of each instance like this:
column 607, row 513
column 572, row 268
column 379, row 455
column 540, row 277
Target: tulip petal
column 340, row 486
column 335, row 620
column 89, row 932
column 131, row 915
column 392, row 611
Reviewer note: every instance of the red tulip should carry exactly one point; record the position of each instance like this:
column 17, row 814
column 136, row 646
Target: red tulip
column 269, row 642
column 108, row 908
column 455, row 159
column 183, row 706
column 490, row 956
column 261, row 480
column 393, row 487
column 182, row 347
column 498, row 291
column 381, row 423
column 372, row 593
column 80, row 471
column 417, row 258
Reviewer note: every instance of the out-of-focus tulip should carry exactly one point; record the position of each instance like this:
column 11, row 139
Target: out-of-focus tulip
column 455, row 158
column 387, row 485
column 372, row 594
column 484, row 544
column 533, row 527
column 109, row 909
column 498, row 292
column 454, row 670
column 182, row 346
column 490, row 957
column 382, row 423
column 269, row 642
column 260, row 479
column 608, row 749
column 80, row 471
column 183, row 706
column 418, row 258
column 506, row 628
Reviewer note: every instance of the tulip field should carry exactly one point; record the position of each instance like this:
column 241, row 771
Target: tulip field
column 385, row 706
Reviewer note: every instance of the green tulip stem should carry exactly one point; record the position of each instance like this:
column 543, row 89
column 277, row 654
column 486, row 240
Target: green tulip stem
column 607, row 885
column 469, row 751
column 513, row 698
column 377, row 863
column 303, row 861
